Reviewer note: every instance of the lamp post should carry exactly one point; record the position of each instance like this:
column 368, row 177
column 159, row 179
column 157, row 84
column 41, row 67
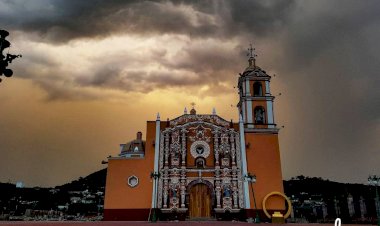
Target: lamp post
column 252, row 179
column 375, row 181
column 155, row 176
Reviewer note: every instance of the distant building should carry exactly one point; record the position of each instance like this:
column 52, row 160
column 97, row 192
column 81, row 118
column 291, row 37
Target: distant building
column 350, row 205
column 19, row 184
column 75, row 199
column 195, row 166
column 363, row 208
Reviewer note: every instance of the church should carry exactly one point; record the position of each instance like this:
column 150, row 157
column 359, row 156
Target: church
column 201, row 166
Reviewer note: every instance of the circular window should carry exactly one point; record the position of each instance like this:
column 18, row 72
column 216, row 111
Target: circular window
column 133, row 181
column 200, row 148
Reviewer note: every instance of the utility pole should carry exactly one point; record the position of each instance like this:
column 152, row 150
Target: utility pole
column 252, row 179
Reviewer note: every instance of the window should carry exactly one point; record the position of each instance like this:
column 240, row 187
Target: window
column 200, row 150
column 200, row 162
column 133, row 181
column 257, row 89
column 259, row 115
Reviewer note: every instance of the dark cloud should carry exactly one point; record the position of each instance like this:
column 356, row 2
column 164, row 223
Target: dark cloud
column 62, row 20
column 331, row 74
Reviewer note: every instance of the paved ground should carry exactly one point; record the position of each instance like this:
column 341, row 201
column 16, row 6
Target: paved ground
column 132, row 223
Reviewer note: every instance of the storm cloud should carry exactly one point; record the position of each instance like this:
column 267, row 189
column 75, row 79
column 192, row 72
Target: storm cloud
column 324, row 54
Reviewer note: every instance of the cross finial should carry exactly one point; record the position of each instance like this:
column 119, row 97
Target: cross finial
column 252, row 55
column 192, row 104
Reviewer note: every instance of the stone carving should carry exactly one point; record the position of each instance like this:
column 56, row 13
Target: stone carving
column 199, row 134
column 225, row 162
column 184, row 131
column 224, row 146
column 216, row 146
column 201, row 131
column 227, row 203
column 214, row 119
column 200, row 148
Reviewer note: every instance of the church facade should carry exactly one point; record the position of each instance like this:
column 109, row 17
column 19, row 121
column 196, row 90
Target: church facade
column 201, row 165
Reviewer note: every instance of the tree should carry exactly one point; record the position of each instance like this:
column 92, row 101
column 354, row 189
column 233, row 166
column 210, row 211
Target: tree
column 5, row 59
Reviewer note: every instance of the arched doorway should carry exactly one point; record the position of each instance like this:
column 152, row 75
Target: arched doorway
column 200, row 201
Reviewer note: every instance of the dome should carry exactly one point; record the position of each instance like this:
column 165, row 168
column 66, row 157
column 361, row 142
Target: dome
column 134, row 146
column 193, row 111
column 254, row 70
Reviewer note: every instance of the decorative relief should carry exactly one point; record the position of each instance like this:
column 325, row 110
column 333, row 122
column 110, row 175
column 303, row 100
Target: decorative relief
column 200, row 131
column 199, row 134
column 175, row 161
column 175, row 146
column 224, row 146
column 216, row 146
column 184, row 131
column 200, row 148
column 225, row 162
column 227, row 203
column 214, row 119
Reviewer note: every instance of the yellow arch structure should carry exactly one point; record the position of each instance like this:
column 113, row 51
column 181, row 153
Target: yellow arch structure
column 273, row 193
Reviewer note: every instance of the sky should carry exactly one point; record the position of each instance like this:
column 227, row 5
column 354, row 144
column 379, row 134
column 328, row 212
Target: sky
column 93, row 72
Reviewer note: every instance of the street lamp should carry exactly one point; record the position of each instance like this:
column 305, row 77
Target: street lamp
column 252, row 179
column 375, row 181
column 155, row 176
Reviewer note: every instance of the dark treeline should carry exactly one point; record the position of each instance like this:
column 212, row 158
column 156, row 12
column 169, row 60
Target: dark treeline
column 317, row 200
column 314, row 199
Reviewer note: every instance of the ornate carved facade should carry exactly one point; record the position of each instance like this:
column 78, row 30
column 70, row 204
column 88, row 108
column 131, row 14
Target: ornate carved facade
column 200, row 149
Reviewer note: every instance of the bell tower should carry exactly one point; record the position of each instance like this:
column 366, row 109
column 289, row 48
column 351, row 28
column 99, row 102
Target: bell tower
column 260, row 136
column 256, row 101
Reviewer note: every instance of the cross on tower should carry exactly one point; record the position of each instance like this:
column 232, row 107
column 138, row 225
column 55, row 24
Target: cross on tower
column 252, row 56
column 192, row 104
column 251, row 51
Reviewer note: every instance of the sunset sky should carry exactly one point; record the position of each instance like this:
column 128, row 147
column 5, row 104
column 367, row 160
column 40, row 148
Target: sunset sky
column 93, row 72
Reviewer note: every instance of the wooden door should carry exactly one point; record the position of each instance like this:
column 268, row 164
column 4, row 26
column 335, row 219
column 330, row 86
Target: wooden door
column 200, row 201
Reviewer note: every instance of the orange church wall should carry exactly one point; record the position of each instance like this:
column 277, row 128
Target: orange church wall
column 119, row 195
column 263, row 159
column 261, row 103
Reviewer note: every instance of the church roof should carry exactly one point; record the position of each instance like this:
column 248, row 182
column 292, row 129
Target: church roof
column 136, row 146
column 254, row 70
column 186, row 118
